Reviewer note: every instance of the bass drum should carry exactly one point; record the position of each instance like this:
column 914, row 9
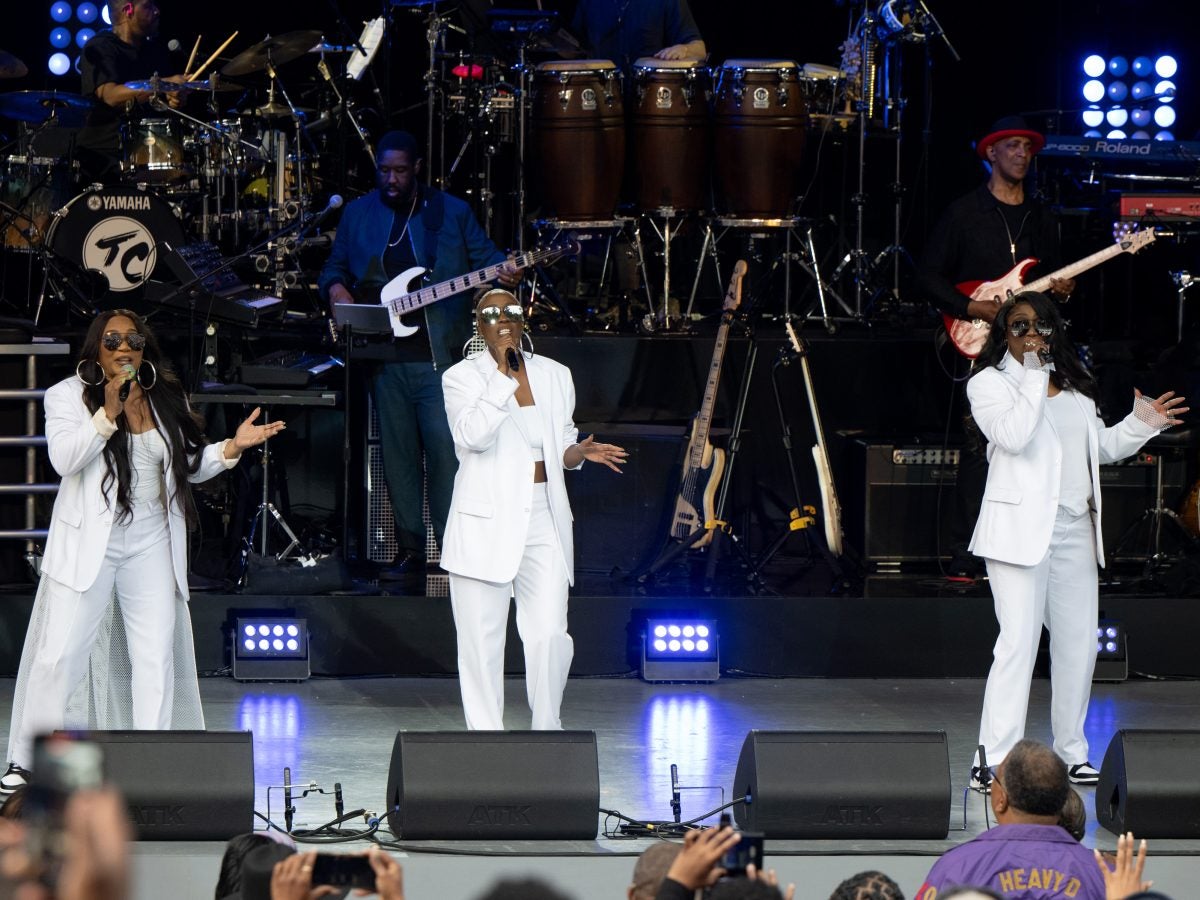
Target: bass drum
column 759, row 121
column 31, row 189
column 579, row 126
column 118, row 232
column 671, row 134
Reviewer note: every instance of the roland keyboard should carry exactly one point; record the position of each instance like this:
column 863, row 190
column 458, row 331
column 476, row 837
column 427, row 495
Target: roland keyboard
column 1183, row 153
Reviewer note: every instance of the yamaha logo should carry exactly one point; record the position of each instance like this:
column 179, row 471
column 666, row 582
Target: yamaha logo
column 121, row 248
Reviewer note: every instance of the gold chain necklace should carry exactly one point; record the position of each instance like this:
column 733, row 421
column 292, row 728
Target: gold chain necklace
column 407, row 221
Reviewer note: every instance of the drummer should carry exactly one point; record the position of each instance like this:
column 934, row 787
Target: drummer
column 129, row 51
column 626, row 32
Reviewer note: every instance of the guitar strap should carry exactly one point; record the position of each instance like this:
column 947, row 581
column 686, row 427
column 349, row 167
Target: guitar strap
column 433, row 214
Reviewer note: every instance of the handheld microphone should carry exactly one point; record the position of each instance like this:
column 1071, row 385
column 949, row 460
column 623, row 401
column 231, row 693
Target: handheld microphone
column 1044, row 355
column 288, row 809
column 514, row 359
column 676, row 805
column 335, row 202
column 338, row 808
column 123, row 393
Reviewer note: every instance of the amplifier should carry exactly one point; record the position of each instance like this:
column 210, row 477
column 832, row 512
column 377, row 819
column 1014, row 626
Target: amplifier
column 901, row 512
column 1161, row 207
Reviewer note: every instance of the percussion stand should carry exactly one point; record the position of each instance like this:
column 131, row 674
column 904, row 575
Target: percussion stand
column 797, row 232
column 605, row 229
column 667, row 214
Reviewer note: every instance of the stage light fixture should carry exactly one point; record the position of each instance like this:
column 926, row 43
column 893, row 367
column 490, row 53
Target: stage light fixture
column 61, row 12
column 87, row 13
column 1094, row 66
column 1164, row 117
column 1118, row 66
column 1093, row 117
column 1141, row 117
column 1165, row 136
column 83, row 35
column 1140, row 135
column 1117, row 117
column 1093, row 91
column 1166, row 66
column 1093, row 133
column 1142, row 66
column 1116, row 135
column 270, row 648
column 59, row 64
column 1112, row 659
column 680, row 648
column 1118, row 91
column 1165, row 91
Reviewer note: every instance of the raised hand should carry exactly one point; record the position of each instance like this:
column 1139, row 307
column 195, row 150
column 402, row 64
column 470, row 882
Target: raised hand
column 696, row 865
column 609, row 454
column 250, row 435
column 1126, row 877
column 1166, row 406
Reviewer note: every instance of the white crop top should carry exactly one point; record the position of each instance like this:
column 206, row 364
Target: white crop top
column 531, row 427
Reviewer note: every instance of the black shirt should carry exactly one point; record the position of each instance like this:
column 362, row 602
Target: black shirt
column 979, row 238
column 398, row 256
column 109, row 60
column 627, row 30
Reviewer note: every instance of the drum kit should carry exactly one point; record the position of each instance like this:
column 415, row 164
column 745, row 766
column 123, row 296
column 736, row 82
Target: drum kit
column 240, row 161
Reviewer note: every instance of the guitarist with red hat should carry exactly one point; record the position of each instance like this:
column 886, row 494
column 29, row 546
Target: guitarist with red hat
column 981, row 237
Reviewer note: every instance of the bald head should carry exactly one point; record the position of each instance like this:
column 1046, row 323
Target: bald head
column 1034, row 780
column 651, row 869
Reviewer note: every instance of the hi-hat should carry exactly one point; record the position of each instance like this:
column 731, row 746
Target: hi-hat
column 11, row 67
column 272, row 51
column 38, row 106
column 274, row 109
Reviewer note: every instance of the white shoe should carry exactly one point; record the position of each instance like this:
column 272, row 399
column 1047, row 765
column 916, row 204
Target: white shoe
column 14, row 778
column 1083, row 773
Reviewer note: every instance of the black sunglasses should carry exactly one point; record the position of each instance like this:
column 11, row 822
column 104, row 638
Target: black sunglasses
column 1020, row 327
column 112, row 341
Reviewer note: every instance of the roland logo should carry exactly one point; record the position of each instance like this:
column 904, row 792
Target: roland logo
column 127, row 201
column 853, row 815
column 1123, row 148
column 500, row 815
column 156, row 815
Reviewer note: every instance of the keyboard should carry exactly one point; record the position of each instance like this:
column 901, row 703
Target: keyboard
column 289, row 369
column 219, row 295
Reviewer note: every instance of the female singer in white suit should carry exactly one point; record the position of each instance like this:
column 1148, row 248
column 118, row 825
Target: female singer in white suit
column 109, row 643
column 1039, row 525
column 509, row 530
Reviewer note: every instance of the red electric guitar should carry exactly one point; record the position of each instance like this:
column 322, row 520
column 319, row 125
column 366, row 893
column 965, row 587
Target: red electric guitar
column 969, row 335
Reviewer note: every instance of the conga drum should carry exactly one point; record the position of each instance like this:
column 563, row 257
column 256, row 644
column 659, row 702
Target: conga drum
column 671, row 134
column 759, row 119
column 579, row 128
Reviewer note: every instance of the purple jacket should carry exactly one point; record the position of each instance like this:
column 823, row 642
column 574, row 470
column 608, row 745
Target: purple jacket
column 1024, row 862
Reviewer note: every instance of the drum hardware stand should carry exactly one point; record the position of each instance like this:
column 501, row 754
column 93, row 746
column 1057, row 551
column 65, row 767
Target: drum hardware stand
column 605, row 229
column 1183, row 280
column 801, row 517
column 362, row 133
column 667, row 214
column 797, row 232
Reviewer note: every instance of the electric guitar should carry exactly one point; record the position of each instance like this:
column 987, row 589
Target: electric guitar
column 830, row 507
column 969, row 335
column 399, row 296
column 703, row 464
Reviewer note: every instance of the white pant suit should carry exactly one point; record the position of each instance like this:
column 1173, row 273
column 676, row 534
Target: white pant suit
column 109, row 643
column 1039, row 534
column 509, row 537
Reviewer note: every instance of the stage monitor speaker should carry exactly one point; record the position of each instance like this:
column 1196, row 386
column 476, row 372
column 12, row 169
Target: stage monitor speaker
column 182, row 785
column 513, row 785
column 844, row 784
column 1148, row 784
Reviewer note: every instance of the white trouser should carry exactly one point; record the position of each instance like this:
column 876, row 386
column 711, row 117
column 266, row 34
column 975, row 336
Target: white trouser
column 1061, row 591
column 481, row 619
column 137, row 564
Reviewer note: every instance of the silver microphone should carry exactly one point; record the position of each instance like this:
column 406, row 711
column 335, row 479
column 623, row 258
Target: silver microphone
column 123, row 393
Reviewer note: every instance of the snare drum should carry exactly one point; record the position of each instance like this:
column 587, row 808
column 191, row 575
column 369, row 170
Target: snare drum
column 116, row 231
column 154, row 154
column 31, row 189
column 671, row 134
column 759, row 120
column 579, row 124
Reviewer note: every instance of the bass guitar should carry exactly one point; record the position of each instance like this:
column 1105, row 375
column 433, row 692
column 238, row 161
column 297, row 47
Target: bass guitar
column 831, row 509
column 969, row 335
column 399, row 296
column 703, row 464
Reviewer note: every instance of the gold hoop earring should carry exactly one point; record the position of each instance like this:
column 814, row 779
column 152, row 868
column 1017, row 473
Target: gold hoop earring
column 153, row 371
column 79, row 374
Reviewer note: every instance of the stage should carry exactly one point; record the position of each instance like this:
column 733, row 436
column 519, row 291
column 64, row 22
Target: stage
column 341, row 730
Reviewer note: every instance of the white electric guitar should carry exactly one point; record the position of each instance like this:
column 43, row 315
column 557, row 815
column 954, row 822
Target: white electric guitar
column 399, row 297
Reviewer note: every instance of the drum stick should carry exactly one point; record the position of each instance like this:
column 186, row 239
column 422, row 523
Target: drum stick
column 209, row 61
column 192, row 58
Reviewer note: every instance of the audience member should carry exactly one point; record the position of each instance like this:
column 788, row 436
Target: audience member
column 14, row 803
column 971, row 893
column 758, row 887
column 867, row 885
column 1073, row 817
column 522, row 889
column 650, row 870
column 229, row 879
column 1124, row 879
column 258, row 869
column 1027, row 854
column 696, row 865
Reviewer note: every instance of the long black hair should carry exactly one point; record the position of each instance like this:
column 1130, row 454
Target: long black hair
column 181, row 428
column 1069, row 373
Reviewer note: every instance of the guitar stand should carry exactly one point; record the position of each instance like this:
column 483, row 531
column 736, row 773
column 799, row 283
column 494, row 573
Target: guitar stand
column 801, row 517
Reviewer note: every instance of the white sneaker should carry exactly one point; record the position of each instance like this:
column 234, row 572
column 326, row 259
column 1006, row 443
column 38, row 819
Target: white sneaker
column 14, row 778
column 1083, row 773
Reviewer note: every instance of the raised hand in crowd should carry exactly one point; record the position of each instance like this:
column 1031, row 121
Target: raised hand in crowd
column 389, row 876
column 291, row 879
column 1125, row 878
column 697, row 864
column 768, row 876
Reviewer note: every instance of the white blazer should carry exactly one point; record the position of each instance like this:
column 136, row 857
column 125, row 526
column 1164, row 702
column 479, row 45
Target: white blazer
column 1024, row 454
column 81, row 523
column 493, row 489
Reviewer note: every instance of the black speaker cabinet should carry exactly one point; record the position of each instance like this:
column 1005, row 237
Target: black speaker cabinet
column 1148, row 784
column 844, row 784
column 183, row 785
column 514, row 785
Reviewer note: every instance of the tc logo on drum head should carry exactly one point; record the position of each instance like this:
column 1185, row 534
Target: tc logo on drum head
column 121, row 248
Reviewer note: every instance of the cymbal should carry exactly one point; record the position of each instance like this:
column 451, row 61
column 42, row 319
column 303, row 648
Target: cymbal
column 11, row 67
column 167, row 87
column 275, row 110
column 38, row 106
column 272, row 51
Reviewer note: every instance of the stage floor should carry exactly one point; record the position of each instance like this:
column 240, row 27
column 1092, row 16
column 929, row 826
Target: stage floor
column 341, row 730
